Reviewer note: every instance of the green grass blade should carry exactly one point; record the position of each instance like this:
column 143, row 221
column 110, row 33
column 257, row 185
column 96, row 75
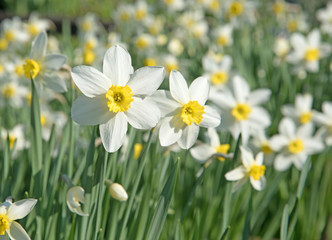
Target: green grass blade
column 304, row 174
column 284, row 224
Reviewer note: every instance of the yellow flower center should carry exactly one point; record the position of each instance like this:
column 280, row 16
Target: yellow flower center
column 3, row 44
column 266, row 148
column 12, row 140
column 4, row 224
column 137, row 150
column 278, row 8
column 292, row 25
column 2, row 68
column 88, row 56
column 219, row 78
column 87, row 26
column 214, row 5
column 235, row 9
column 150, row 62
column 140, row 14
column 192, row 112
column 89, row 45
column 31, row 67
column 295, row 146
column 222, row 148
column 257, row 171
column 33, row 30
column 169, row 2
column 124, row 16
column 222, row 40
column 19, row 70
column 42, row 120
column 241, row 111
column 8, row 91
column 142, row 42
column 171, row 66
column 312, row 54
column 9, row 36
column 119, row 98
column 28, row 98
column 305, row 117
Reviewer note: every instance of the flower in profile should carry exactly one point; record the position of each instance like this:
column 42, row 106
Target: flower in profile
column 308, row 50
column 324, row 120
column 203, row 152
column 116, row 97
column 184, row 110
column 251, row 167
column 294, row 145
column 117, row 191
column 42, row 67
column 301, row 112
column 75, row 196
column 9, row 212
column 242, row 113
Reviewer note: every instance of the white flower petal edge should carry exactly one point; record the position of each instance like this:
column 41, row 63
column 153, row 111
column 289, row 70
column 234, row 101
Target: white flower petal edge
column 117, row 65
column 178, row 87
column 168, row 135
column 21, row 208
column 202, row 152
column 54, row 61
column 236, row 174
column 38, row 49
column 199, row 90
column 211, row 118
column 189, row 136
column 90, row 81
column 16, row 231
column 260, row 184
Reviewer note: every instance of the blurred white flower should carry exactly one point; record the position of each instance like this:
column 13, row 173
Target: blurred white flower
column 252, row 168
column 325, row 17
column 281, row 47
column 36, row 25
column 9, row 212
column 16, row 137
column 224, row 35
column 308, row 50
column 115, row 97
column 184, row 110
column 294, row 144
column 324, row 120
column 241, row 110
column 301, row 112
column 118, row 192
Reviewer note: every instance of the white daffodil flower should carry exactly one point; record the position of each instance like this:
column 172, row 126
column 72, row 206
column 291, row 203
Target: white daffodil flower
column 325, row 16
column 75, row 196
column 16, row 138
column 223, row 35
column 9, row 212
column 281, row 47
column 36, row 25
column 325, row 121
column 252, row 168
column 115, row 97
column 294, row 145
column 203, row 152
column 307, row 51
column 261, row 143
column 242, row 113
column 301, row 112
column 42, row 67
column 184, row 110
column 13, row 93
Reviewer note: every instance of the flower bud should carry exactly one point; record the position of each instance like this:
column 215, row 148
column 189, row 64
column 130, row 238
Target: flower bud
column 118, row 192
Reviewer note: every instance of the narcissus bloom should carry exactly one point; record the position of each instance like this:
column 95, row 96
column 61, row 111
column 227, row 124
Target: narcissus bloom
column 42, row 67
column 11, row 211
column 184, row 110
column 325, row 16
column 294, row 145
column 75, row 196
column 252, row 168
column 324, row 120
column 241, row 109
column 116, row 97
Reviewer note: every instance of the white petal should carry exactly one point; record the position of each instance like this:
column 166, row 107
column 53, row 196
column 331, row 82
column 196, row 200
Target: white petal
column 298, row 41
column 305, row 130
column 178, row 87
column 146, row 80
column 303, row 102
column 21, row 208
column 313, row 146
column 54, row 61
column 287, row 128
column 288, row 110
column 259, row 158
column 90, row 81
column 16, row 231
column 259, row 96
column 314, row 38
column 211, row 118
column 260, row 184
column 327, row 108
column 117, row 65
column 277, row 142
column 259, row 118
column 247, row 156
column 299, row 160
column 38, row 49
column 213, row 136
column 91, row 111
column 167, row 133
column 54, row 82
column 165, row 102
column 312, row 66
column 143, row 114
column 282, row 162
column 236, row 174
column 241, row 89
column 189, row 136
column 202, row 152
column 199, row 90
column 113, row 132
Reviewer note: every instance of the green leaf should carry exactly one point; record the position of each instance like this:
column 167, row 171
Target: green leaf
column 303, row 177
column 284, row 224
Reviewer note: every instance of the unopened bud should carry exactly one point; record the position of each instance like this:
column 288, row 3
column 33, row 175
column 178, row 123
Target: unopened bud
column 118, row 192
